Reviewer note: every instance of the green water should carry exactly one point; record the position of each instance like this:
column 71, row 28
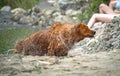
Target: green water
column 10, row 34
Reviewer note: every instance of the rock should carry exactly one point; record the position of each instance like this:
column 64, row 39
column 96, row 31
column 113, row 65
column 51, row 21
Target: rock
column 5, row 18
column 55, row 14
column 26, row 20
column 52, row 1
column 6, row 9
column 41, row 6
column 65, row 19
column 71, row 12
column 40, row 23
column 18, row 13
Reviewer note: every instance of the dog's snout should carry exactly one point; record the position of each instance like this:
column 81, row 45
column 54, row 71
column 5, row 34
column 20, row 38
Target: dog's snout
column 94, row 32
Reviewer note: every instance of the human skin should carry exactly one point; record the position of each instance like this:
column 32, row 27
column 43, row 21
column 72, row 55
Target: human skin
column 101, row 18
column 106, row 13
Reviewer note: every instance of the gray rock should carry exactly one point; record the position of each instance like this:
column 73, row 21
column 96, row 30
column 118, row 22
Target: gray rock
column 5, row 18
column 6, row 8
column 26, row 20
column 18, row 13
column 64, row 19
column 71, row 12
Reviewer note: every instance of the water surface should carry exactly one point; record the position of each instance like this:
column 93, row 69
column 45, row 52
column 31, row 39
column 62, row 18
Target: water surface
column 9, row 34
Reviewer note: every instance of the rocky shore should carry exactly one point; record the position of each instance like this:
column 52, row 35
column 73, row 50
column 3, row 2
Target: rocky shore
column 44, row 13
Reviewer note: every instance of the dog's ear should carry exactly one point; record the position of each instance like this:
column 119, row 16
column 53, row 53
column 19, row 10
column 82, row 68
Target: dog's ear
column 77, row 26
column 80, row 25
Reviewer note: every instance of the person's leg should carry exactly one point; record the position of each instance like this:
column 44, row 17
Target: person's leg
column 101, row 18
column 103, row 8
column 112, row 4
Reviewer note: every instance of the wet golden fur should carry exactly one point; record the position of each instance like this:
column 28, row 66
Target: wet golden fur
column 55, row 41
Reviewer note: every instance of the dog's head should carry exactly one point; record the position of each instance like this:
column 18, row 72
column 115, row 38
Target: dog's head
column 84, row 30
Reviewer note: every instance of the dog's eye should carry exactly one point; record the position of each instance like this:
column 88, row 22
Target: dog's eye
column 84, row 30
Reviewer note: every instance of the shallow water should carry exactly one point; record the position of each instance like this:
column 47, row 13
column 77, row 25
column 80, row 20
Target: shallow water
column 9, row 34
